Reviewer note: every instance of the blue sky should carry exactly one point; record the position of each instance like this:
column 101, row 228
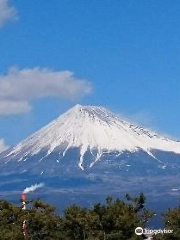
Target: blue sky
column 122, row 54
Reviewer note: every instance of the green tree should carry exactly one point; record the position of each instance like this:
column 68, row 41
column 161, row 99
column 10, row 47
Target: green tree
column 114, row 220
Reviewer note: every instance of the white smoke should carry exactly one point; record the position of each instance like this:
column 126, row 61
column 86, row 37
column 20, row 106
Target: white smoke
column 33, row 188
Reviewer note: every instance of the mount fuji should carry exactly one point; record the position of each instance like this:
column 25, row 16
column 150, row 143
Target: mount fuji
column 95, row 134
column 91, row 150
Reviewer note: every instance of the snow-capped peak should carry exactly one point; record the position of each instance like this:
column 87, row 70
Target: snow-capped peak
column 92, row 127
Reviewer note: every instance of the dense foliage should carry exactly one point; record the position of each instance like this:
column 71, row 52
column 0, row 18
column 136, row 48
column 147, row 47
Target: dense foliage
column 113, row 220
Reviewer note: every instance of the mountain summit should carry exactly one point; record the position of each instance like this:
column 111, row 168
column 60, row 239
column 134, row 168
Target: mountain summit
column 94, row 132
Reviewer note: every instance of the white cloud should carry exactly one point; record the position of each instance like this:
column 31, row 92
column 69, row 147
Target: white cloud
column 2, row 145
column 14, row 107
column 7, row 12
column 19, row 87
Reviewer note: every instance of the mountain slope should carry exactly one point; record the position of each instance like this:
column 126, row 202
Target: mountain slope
column 93, row 129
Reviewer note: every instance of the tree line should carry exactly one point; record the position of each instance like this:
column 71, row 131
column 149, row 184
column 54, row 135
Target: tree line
column 114, row 220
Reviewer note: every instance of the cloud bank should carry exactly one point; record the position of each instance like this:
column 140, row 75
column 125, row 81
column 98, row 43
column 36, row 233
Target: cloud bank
column 19, row 87
column 7, row 12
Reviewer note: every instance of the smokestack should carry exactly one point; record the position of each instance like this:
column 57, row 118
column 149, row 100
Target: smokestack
column 23, row 201
column 27, row 190
column 24, row 228
column 23, row 197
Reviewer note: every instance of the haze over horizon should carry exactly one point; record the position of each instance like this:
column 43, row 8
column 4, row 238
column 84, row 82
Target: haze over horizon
column 123, row 55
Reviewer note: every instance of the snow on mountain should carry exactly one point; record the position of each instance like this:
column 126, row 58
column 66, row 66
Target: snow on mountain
column 92, row 128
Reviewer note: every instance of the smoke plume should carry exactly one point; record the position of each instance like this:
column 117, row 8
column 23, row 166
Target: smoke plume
column 33, row 188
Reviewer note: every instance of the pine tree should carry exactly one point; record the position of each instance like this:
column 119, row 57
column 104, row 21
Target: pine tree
column 114, row 220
